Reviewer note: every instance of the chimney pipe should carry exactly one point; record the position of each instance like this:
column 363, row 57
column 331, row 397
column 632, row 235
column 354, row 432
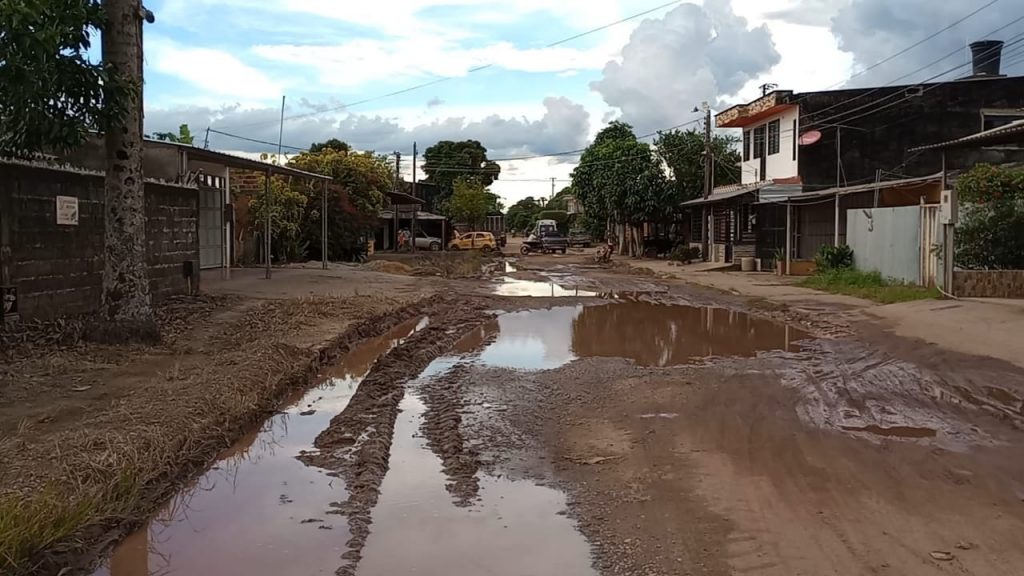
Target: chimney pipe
column 987, row 57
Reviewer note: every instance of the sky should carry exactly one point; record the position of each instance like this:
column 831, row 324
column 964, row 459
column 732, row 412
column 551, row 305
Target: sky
column 524, row 77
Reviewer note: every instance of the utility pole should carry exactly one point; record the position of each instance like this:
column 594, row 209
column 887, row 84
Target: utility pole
column 397, row 207
column 415, row 153
column 708, row 182
column 552, row 189
column 206, row 141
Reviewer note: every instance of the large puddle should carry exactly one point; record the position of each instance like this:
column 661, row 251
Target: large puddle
column 259, row 511
column 512, row 528
column 650, row 334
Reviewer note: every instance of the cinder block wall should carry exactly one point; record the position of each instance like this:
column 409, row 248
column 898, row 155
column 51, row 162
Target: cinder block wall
column 58, row 270
column 988, row 283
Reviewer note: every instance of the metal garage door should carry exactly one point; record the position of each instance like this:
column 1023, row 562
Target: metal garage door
column 211, row 227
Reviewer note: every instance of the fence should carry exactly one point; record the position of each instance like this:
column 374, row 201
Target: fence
column 899, row 243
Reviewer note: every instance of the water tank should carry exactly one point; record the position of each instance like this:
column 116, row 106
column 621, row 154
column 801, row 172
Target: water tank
column 987, row 56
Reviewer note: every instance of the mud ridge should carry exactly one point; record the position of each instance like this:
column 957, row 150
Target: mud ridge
column 82, row 552
column 356, row 446
column 442, row 427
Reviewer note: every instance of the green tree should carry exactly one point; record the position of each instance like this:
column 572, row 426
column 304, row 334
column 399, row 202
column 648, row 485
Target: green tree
column 621, row 181
column 990, row 235
column 184, row 136
column 560, row 201
column 470, row 202
column 522, row 214
column 286, row 208
column 447, row 161
column 354, row 198
column 683, row 153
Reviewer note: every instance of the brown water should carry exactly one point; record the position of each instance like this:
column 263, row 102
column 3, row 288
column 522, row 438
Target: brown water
column 650, row 334
column 893, row 431
column 245, row 515
column 513, row 528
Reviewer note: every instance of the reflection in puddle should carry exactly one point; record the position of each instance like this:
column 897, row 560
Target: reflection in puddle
column 538, row 289
column 513, row 528
column 244, row 516
column 649, row 334
column 893, row 431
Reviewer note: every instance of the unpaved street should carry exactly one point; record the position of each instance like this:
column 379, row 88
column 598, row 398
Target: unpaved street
column 559, row 418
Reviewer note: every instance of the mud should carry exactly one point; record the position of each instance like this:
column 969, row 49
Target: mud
column 241, row 514
column 356, row 445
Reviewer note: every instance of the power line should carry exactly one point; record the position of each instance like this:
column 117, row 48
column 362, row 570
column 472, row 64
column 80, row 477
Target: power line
column 470, row 71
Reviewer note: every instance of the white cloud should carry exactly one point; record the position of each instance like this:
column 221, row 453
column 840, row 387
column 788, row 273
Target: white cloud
column 214, row 71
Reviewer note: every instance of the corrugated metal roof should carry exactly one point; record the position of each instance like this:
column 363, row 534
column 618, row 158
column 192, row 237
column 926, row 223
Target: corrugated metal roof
column 843, row 191
column 238, row 162
column 725, row 192
column 1012, row 133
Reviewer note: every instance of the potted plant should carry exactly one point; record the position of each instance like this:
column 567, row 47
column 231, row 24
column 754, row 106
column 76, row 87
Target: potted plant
column 780, row 261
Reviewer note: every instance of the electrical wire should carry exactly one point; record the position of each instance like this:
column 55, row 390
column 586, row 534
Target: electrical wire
column 470, row 71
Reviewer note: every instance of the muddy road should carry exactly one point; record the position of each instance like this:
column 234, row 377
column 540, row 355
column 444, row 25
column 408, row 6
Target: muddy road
column 569, row 420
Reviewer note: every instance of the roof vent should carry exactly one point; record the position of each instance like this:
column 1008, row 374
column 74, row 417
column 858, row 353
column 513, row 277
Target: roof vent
column 987, row 56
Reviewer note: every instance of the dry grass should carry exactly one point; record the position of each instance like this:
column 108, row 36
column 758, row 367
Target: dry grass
column 117, row 465
column 463, row 264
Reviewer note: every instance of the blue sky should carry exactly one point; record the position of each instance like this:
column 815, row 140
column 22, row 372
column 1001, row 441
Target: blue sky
column 226, row 64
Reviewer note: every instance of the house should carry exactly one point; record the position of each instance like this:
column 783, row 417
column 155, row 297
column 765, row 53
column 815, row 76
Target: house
column 807, row 158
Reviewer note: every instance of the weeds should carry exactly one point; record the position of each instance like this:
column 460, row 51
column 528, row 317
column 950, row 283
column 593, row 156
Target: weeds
column 868, row 285
column 462, row 264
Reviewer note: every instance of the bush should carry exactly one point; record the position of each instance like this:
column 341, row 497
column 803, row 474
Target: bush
column 685, row 254
column 991, row 236
column 834, row 258
column 868, row 285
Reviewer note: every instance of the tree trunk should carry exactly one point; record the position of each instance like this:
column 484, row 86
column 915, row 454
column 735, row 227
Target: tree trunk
column 127, row 312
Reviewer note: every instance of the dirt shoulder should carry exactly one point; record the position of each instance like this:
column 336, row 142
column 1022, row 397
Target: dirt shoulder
column 96, row 438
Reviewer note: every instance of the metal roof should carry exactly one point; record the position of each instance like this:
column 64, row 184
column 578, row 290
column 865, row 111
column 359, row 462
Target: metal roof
column 1012, row 133
column 390, row 215
column 725, row 193
column 239, row 162
column 845, row 190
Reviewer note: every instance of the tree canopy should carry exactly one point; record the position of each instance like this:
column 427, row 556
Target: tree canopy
column 522, row 214
column 471, row 202
column 447, row 162
column 683, row 153
column 621, row 180
column 990, row 235
column 51, row 94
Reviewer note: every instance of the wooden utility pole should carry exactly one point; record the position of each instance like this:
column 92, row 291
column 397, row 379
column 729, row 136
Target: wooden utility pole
column 415, row 153
column 127, row 312
column 708, row 182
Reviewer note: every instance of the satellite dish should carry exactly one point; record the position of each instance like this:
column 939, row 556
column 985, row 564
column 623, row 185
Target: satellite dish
column 808, row 138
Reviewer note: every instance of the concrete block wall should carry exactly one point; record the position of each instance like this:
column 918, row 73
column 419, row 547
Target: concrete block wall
column 988, row 283
column 58, row 269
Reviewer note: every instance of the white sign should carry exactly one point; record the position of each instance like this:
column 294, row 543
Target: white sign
column 67, row 210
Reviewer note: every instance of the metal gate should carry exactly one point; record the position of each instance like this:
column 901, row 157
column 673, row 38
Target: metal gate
column 211, row 222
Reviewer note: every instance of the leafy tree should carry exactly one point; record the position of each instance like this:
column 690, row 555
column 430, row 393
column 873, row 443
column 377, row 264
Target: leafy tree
column 51, row 94
column 621, row 180
column 560, row 201
column 991, row 231
column 470, row 202
column 354, row 199
column 522, row 214
column 287, row 207
column 446, row 162
column 683, row 153
column 184, row 136
column 561, row 217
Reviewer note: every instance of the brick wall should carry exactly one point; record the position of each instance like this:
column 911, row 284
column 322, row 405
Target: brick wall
column 58, row 270
column 988, row 283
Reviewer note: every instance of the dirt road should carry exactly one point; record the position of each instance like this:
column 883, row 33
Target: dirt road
column 563, row 418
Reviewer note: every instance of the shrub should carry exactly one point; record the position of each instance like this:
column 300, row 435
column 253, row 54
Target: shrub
column 685, row 254
column 834, row 258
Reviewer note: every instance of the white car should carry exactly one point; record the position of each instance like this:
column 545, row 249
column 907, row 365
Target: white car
column 425, row 242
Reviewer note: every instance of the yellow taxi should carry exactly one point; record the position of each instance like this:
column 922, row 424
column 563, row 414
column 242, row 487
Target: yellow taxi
column 474, row 241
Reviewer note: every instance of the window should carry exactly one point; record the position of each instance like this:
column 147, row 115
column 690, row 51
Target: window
column 746, row 145
column 774, row 136
column 992, row 120
column 759, row 134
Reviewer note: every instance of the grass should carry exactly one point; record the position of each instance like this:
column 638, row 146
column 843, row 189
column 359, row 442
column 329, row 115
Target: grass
column 867, row 285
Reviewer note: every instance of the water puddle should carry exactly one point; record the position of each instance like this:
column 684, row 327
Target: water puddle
column 259, row 511
column 512, row 528
column 650, row 334
column 539, row 289
column 893, row 431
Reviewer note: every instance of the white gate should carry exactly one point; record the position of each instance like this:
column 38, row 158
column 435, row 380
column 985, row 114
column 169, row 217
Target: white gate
column 931, row 245
column 211, row 222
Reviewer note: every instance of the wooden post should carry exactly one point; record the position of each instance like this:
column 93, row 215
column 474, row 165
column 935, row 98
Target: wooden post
column 789, row 233
column 266, row 229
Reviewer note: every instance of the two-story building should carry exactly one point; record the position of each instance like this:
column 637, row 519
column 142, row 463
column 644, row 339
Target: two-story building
column 807, row 158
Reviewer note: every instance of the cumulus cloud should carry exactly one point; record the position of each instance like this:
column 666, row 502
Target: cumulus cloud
column 674, row 63
column 217, row 72
column 564, row 125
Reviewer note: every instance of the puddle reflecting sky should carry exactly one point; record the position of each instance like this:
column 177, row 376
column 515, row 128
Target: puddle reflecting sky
column 564, row 287
column 244, row 515
column 649, row 334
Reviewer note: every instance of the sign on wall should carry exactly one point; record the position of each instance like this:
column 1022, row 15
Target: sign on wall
column 9, row 297
column 67, row 210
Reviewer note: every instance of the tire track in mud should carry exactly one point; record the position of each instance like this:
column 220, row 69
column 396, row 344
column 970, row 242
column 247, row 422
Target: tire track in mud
column 356, row 446
column 442, row 428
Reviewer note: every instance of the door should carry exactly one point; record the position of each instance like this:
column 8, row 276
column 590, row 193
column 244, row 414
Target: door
column 211, row 227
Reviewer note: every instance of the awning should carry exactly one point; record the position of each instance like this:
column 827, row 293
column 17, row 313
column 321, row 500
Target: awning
column 725, row 193
column 401, row 198
column 390, row 215
column 1012, row 133
column 796, row 198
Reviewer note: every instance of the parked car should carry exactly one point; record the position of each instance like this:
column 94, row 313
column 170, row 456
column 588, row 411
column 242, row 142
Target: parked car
column 474, row 241
column 425, row 242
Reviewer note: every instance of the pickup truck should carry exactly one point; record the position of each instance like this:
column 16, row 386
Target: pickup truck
column 546, row 243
